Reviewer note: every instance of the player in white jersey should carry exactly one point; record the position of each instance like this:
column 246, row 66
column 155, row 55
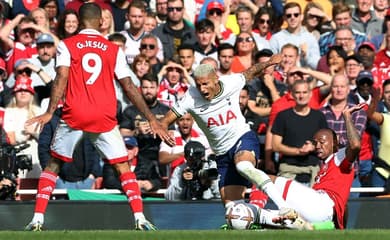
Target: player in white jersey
column 214, row 104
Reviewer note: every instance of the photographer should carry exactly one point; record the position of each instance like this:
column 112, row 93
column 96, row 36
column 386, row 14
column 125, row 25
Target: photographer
column 195, row 179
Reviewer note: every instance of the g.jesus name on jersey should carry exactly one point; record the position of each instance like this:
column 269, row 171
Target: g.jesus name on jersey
column 221, row 118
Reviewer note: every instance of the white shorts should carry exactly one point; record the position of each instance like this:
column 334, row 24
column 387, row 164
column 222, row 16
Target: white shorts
column 110, row 145
column 313, row 205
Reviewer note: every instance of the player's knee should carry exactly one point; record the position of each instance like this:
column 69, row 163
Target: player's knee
column 121, row 167
column 244, row 167
column 54, row 165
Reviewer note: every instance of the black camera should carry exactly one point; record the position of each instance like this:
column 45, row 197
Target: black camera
column 194, row 153
column 10, row 164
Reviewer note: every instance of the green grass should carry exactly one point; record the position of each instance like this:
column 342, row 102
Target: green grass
column 371, row 234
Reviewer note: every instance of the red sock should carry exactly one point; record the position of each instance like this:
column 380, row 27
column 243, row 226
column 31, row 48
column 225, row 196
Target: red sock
column 131, row 189
column 46, row 185
column 258, row 197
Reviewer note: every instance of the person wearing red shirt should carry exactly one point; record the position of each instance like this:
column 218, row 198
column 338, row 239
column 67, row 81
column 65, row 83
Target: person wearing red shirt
column 86, row 66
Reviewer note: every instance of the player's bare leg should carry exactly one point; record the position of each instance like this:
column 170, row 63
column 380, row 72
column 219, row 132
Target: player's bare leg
column 131, row 189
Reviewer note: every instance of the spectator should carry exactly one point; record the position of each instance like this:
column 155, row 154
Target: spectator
column 292, row 131
column 342, row 17
column 149, row 46
column 335, row 58
column 40, row 16
column 85, row 166
column 315, row 21
column 184, row 133
column 251, row 118
column 107, row 26
column 245, row 20
column 110, row 176
column 295, row 34
column 380, row 8
column 245, row 49
column 161, row 11
column 40, row 79
column 68, row 24
column 265, row 23
column 204, row 47
column 326, row 5
column 379, row 40
column 136, row 14
column 362, row 95
column 225, row 58
column 173, row 84
column 265, row 89
column 22, row 108
column 290, row 59
column 150, row 22
column 53, row 11
column 353, row 65
column 196, row 178
column 381, row 61
column 76, row 4
column 175, row 31
column 381, row 173
column 120, row 40
column 336, row 105
column 344, row 39
column 119, row 11
column 186, row 55
column 24, row 46
column 318, row 96
column 365, row 20
column 216, row 13
column 134, row 123
column 141, row 65
column 5, row 91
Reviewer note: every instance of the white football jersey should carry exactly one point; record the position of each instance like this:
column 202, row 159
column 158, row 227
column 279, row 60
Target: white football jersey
column 221, row 118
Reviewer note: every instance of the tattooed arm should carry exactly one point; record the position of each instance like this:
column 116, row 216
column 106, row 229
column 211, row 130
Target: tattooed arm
column 353, row 145
column 256, row 69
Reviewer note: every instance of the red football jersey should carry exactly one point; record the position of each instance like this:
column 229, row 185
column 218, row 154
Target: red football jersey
column 335, row 178
column 93, row 61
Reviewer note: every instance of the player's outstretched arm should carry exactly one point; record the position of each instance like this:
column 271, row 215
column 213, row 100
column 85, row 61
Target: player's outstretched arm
column 57, row 93
column 353, row 146
column 256, row 69
column 136, row 98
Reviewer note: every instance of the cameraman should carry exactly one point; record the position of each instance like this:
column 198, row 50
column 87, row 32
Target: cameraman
column 195, row 179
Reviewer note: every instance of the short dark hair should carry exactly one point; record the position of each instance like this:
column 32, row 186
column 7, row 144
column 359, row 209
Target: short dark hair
column 185, row 46
column 204, row 25
column 224, row 46
column 385, row 83
column 117, row 37
column 292, row 5
column 149, row 77
column 89, row 11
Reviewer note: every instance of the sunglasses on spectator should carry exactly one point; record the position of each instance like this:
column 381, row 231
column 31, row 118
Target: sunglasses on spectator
column 170, row 69
column 29, row 30
column 262, row 21
column 289, row 15
column 145, row 46
column 28, row 71
column 247, row 39
column 217, row 12
column 315, row 16
column 177, row 9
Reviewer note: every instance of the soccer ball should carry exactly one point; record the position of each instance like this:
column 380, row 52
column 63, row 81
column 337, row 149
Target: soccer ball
column 239, row 216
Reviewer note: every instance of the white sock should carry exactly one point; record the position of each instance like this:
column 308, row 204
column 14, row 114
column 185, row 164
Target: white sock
column 262, row 181
column 139, row 216
column 38, row 217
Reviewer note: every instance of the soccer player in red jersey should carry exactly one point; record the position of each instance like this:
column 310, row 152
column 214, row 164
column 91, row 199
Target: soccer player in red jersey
column 86, row 66
column 327, row 199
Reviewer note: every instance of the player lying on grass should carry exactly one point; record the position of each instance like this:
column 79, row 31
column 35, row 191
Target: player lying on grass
column 327, row 199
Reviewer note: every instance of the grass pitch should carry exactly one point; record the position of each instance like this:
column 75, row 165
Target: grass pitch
column 369, row 234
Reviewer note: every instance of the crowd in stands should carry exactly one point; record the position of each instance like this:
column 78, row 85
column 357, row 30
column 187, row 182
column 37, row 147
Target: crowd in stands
column 334, row 54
